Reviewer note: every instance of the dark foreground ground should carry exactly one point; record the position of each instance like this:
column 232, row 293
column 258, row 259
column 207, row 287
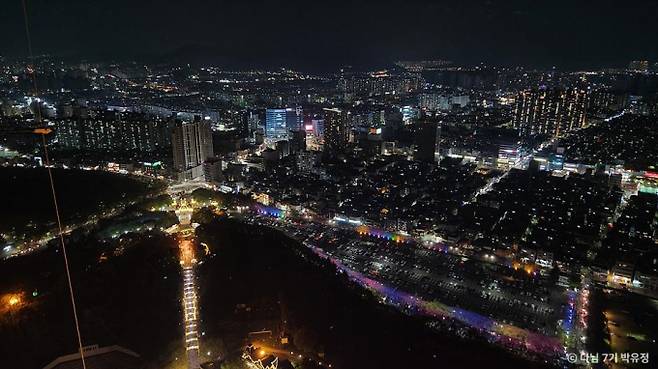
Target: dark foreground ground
column 127, row 294
column 28, row 205
column 257, row 279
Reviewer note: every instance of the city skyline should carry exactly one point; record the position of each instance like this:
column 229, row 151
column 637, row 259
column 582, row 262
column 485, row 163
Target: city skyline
column 290, row 185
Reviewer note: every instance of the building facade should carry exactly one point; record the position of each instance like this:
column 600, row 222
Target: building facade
column 550, row 112
column 278, row 122
column 192, row 146
column 336, row 130
column 113, row 132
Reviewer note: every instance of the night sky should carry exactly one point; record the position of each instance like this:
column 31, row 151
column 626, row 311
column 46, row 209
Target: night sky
column 316, row 34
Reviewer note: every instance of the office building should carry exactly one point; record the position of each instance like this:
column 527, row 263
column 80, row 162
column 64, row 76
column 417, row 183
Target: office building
column 409, row 113
column 509, row 154
column 278, row 122
column 275, row 124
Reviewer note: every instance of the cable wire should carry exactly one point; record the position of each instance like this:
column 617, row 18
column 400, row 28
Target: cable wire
column 63, row 244
column 52, row 185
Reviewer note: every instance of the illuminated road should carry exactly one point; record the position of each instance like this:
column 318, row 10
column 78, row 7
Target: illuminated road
column 522, row 164
column 188, row 262
column 190, row 309
column 27, row 247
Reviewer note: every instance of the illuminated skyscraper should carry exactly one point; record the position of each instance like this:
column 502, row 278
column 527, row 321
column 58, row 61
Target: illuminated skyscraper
column 550, row 112
column 278, row 122
column 275, row 124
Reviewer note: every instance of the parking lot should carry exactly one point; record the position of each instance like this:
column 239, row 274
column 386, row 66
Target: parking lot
column 515, row 297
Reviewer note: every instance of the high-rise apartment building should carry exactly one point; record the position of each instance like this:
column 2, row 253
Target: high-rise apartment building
column 192, row 145
column 425, row 140
column 236, row 121
column 437, row 101
column 112, row 132
column 336, row 130
column 552, row 112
